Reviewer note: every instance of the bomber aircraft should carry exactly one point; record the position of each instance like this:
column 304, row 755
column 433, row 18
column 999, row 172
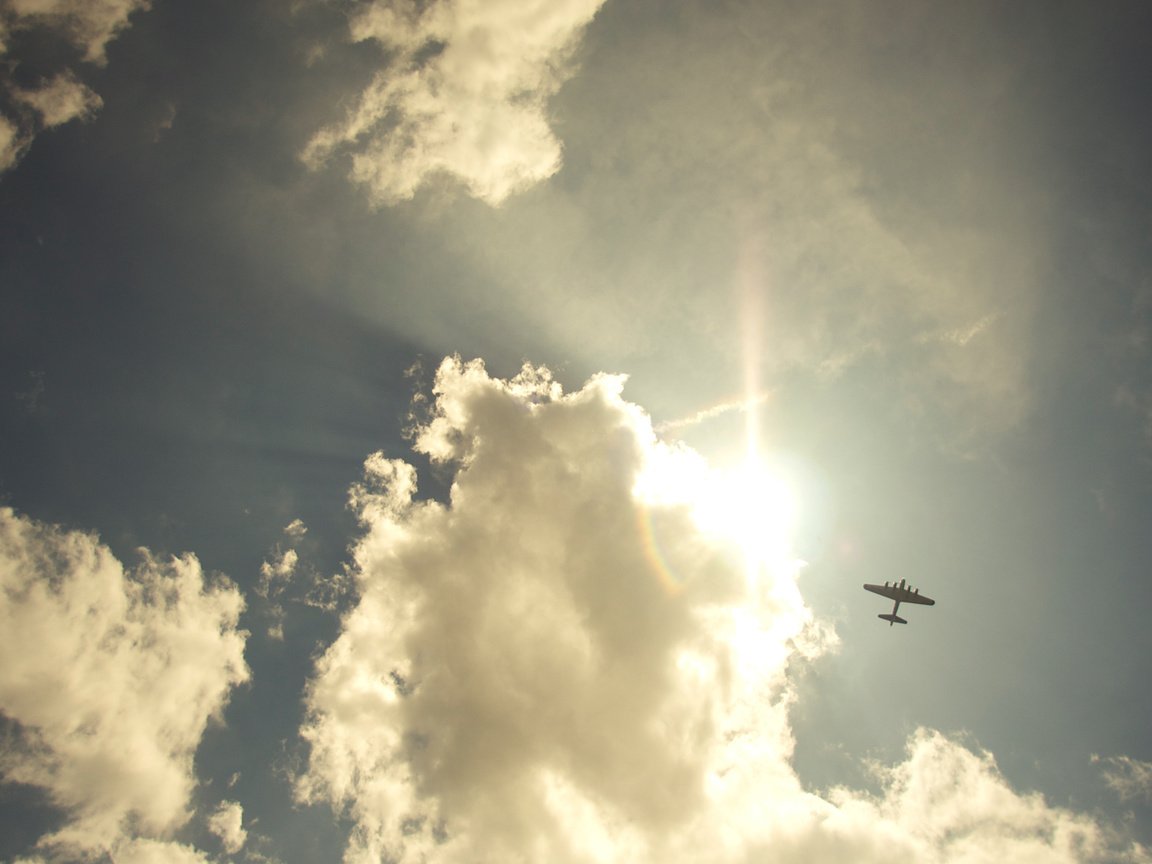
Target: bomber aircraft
column 901, row 593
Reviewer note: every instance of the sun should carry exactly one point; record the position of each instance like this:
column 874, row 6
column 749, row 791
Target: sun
column 750, row 505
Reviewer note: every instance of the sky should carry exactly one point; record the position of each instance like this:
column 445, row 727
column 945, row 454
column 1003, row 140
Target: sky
column 459, row 431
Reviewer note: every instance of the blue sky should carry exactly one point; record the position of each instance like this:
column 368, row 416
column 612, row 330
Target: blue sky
column 380, row 388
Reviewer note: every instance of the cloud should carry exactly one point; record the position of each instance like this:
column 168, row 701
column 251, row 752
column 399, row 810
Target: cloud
column 296, row 529
column 146, row 851
column 711, row 413
column 62, row 99
column 276, row 573
column 1129, row 778
column 284, row 580
column 279, row 569
column 275, row 576
column 227, row 823
column 126, row 671
column 85, row 25
column 465, row 94
column 959, row 336
column 563, row 664
column 947, row 803
column 11, row 144
column 758, row 167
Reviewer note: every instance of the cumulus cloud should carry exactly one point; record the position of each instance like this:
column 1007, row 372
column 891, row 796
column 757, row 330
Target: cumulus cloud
column 947, row 803
column 465, row 94
column 564, row 663
column 87, row 26
column 227, row 823
column 109, row 679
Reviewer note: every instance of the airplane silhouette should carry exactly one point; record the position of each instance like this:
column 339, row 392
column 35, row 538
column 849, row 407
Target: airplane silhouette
column 901, row 593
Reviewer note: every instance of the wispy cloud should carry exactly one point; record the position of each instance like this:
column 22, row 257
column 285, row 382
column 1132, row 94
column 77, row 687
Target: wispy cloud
column 110, row 678
column 706, row 414
column 275, row 575
column 465, row 94
column 32, row 397
column 959, row 336
column 1129, row 778
column 550, row 667
column 285, row 579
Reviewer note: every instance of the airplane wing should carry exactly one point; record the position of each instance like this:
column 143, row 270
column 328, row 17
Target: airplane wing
column 904, row 595
column 916, row 597
column 884, row 590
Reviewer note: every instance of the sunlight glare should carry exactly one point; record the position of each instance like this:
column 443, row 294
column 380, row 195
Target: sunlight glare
column 752, row 506
column 748, row 505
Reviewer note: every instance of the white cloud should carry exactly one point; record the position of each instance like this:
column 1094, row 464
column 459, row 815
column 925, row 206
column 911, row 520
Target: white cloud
column 227, row 823
column 279, row 583
column 62, row 99
column 111, row 678
column 466, row 95
column 702, row 416
column 296, row 529
column 275, row 576
column 560, row 665
column 946, row 803
column 276, row 571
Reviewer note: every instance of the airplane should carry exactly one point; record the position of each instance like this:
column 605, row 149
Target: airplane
column 901, row 593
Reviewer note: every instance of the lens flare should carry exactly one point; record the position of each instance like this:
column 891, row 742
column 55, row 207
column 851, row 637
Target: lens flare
column 748, row 506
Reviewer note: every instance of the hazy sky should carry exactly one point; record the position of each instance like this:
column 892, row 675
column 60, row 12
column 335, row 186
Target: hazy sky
column 458, row 431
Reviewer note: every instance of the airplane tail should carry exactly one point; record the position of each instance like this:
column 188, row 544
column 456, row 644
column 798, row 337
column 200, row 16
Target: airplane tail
column 892, row 619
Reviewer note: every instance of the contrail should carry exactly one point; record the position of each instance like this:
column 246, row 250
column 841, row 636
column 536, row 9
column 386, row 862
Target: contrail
column 744, row 405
